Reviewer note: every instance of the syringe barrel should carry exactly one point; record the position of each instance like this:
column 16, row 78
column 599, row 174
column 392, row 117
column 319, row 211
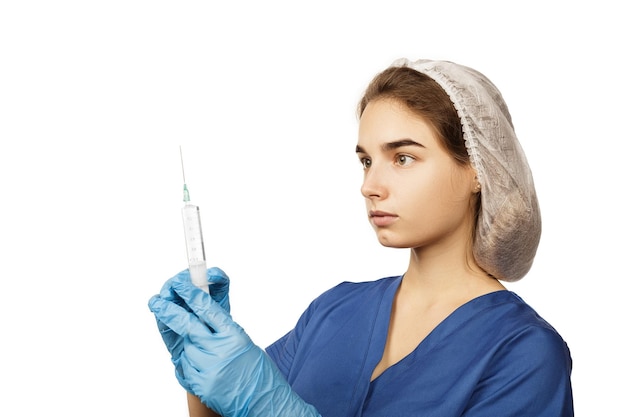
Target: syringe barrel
column 195, row 245
column 198, row 275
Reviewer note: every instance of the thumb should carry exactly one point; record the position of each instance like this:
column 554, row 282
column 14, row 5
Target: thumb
column 219, row 287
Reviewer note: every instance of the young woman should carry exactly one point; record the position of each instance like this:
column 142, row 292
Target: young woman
column 444, row 176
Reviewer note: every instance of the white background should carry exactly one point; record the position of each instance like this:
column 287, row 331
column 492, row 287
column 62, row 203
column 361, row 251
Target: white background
column 97, row 96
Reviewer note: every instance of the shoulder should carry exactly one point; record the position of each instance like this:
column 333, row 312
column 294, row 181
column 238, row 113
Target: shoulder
column 527, row 364
column 355, row 291
column 327, row 311
column 534, row 341
column 516, row 316
column 529, row 345
column 516, row 326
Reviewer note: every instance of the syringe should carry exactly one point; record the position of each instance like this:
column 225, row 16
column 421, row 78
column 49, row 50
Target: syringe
column 193, row 237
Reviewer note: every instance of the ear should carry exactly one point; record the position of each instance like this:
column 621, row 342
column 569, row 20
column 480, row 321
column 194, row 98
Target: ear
column 475, row 183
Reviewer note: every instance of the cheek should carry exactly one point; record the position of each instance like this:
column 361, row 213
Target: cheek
column 442, row 191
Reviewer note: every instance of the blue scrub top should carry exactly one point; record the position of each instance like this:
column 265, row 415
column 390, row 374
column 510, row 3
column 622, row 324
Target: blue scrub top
column 493, row 356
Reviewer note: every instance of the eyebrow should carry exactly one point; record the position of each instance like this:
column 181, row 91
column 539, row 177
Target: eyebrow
column 389, row 146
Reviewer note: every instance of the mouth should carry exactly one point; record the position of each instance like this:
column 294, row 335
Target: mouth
column 382, row 218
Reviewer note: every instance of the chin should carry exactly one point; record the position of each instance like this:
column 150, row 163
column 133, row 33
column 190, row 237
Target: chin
column 391, row 243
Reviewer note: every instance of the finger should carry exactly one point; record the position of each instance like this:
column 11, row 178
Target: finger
column 219, row 285
column 217, row 277
column 169, row 336
column 175, row 317
column 190, row 371
column 167, row 292
column 204, row 306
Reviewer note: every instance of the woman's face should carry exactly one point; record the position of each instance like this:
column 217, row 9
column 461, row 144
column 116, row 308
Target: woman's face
column 416, row 194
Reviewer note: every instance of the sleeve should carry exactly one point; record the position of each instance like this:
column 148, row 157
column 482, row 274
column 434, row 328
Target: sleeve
column 529, row 376
column 283, row 351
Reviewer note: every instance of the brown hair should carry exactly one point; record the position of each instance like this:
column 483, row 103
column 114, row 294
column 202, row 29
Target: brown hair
column 423, row 96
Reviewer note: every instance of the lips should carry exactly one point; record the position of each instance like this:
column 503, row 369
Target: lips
column 382, row 218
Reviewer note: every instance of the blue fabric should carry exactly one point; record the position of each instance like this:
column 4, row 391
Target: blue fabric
column 493, row 356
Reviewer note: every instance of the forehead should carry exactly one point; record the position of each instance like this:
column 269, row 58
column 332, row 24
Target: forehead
column 388, row 120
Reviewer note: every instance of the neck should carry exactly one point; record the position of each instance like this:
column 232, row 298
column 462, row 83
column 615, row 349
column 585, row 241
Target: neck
column 446, row 273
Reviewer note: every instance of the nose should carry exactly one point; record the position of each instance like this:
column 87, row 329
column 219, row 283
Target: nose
column 374, row 186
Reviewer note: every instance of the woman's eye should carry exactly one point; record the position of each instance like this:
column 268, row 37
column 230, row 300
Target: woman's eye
column 366, row 162
column 403, row 160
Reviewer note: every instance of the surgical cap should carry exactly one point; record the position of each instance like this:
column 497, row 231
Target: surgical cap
column 509, row 222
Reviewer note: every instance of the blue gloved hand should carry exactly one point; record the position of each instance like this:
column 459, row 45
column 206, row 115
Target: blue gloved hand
column 220, row 284
column 220, row 364
column 218, row 289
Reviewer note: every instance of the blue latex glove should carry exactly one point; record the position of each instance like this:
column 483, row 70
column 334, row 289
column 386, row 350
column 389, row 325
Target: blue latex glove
column 218, row 289
column 221, row 365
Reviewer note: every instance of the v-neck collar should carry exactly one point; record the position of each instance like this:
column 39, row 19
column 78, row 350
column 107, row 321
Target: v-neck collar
column 447, row 326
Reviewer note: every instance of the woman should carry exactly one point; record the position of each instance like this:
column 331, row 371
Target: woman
column 445, row 177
